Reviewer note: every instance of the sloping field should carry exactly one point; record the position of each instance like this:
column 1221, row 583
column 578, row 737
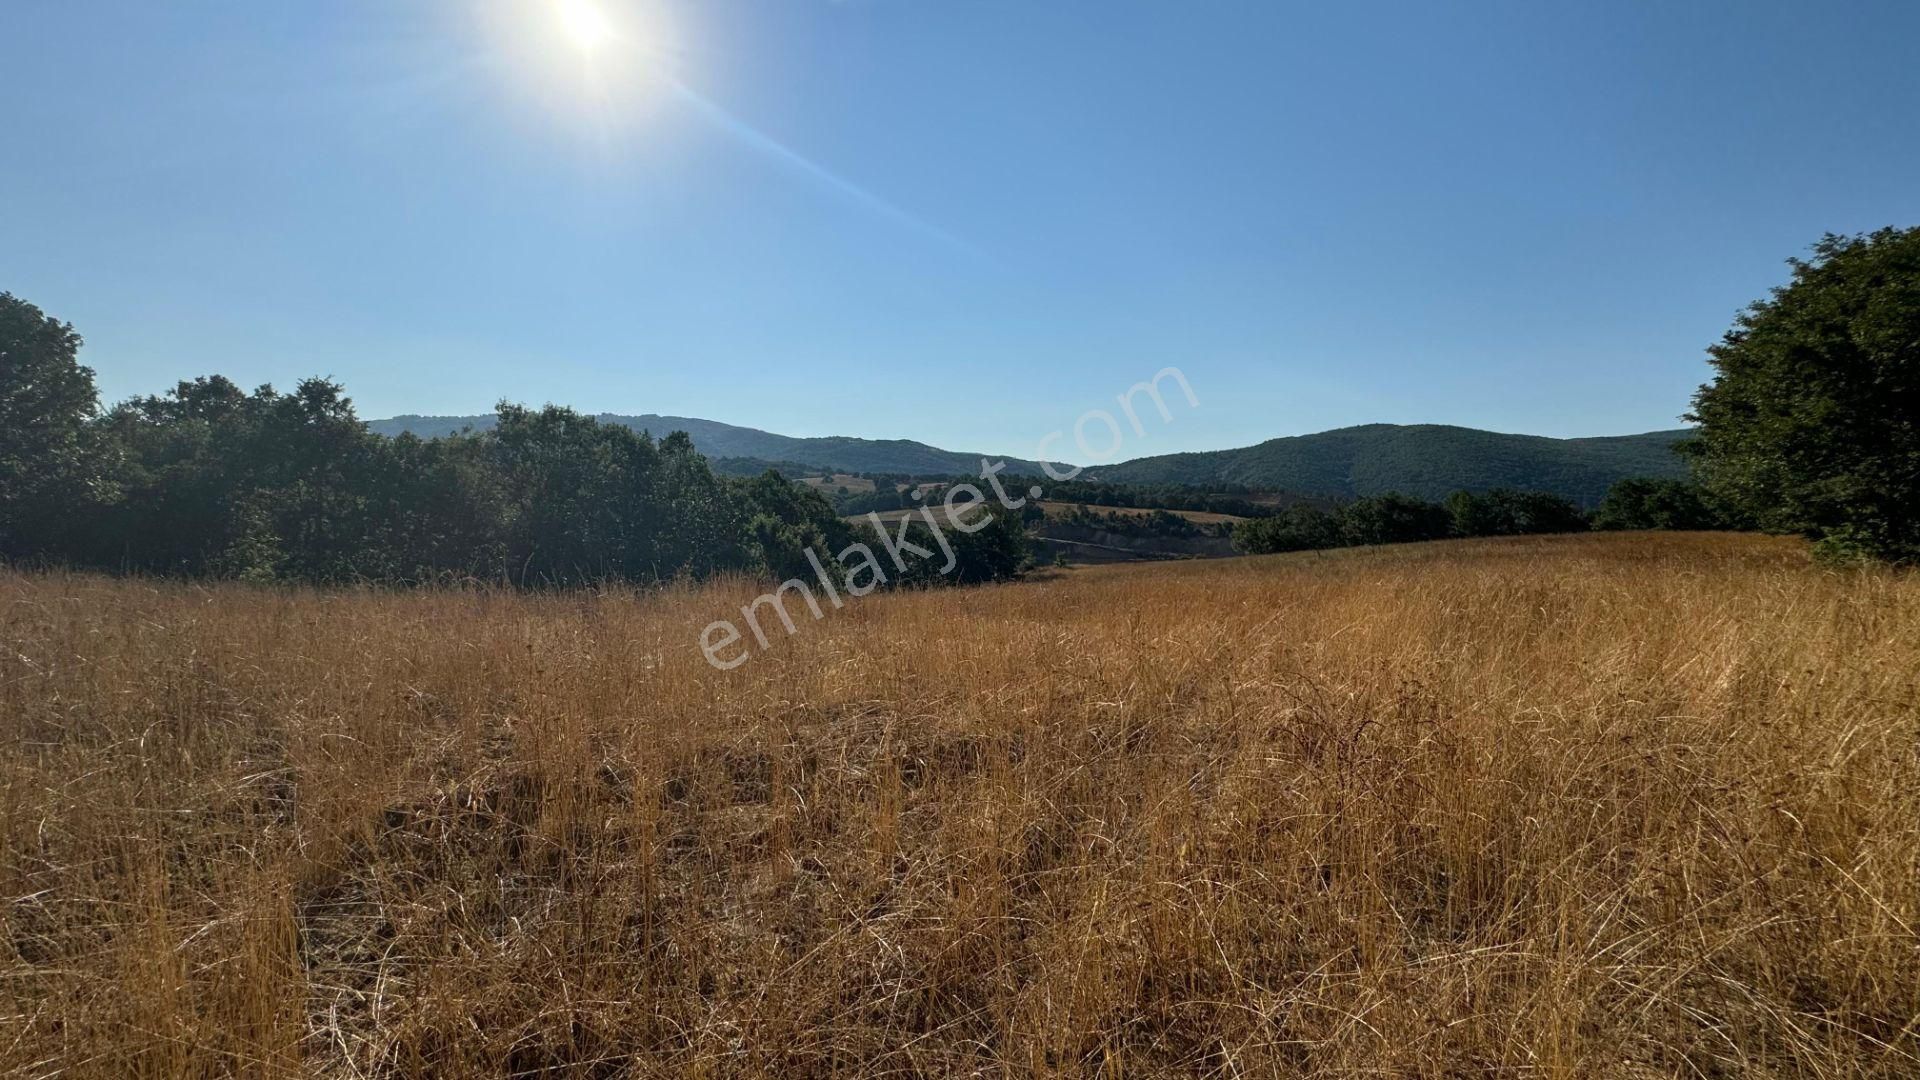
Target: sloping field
column 829, row 484
column 1198, row 517
column 1587, row 806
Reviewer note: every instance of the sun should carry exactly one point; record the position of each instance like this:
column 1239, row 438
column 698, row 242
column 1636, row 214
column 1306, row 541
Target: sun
column 584, row 24
column 599, row 63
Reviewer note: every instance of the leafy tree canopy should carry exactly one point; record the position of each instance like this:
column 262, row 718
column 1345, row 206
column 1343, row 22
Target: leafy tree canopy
column 1658, row 504
column 46, row 399
column 1812, row 421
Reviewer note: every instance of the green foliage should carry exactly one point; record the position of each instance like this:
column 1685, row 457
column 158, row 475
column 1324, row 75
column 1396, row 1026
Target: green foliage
column 268, row 486
column 592, row 501
column 998, row 549
column 1658, row 504
column 1218, row 499
column 1154, row 523
column 726, row 441
column 1505, row 512
column 1297, row 528
column 788, row 519
column 1847, row 545
column 882, row 498
column 1812, row 421
column 723, row 466
column 210, row 480
column 1427, row 461
column 214, row 480
column 1399, row 519
column 1393, row 518
column 47, row 461
column 438, row 512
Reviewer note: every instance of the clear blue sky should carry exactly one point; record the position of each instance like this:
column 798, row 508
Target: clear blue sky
column 963, row 222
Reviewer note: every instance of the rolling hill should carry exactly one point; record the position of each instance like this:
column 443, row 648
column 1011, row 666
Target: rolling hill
column 717, row 440
column 1424, row 460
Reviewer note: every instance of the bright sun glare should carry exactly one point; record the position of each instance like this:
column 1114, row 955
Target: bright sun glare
column 599, row 63
column 584, row 24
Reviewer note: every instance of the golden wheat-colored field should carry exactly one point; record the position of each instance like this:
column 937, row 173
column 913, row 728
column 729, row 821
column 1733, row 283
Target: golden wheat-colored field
column 1637, row 805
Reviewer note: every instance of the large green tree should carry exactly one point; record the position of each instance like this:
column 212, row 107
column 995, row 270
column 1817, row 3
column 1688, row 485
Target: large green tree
column 46, row 399
column 1812, row 422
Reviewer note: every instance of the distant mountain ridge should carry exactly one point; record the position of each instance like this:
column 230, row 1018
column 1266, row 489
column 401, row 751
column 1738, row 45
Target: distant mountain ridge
column 1425, row 460
column 1429, row 461
column 841, row 453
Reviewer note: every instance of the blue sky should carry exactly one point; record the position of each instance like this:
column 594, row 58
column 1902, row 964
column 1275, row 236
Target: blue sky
column 962, row 222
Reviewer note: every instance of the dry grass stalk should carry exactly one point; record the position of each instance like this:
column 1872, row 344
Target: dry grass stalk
column 1604, row 806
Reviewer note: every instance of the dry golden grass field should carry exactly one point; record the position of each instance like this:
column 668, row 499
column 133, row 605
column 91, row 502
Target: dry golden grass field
column 1631, row 805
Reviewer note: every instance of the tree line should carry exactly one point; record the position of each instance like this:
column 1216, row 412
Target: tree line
column 210, row 480
column 1398, row 519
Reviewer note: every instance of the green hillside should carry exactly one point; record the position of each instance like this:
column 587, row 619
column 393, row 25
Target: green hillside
column 716, row 440
column 1424, row 460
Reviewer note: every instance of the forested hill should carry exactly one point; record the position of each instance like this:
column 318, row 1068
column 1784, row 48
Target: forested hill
column 1423, row 460
column 717, row 440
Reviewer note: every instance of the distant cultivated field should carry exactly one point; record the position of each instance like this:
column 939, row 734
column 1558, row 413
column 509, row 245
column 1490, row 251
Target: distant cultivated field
column 887, row 515
column 1627, row 805
column 1198, row 517
column 858, row 485
column 1061, row 509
